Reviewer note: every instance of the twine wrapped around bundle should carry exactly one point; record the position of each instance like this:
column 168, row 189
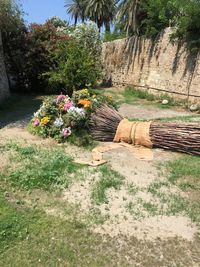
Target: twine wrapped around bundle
column 108, row 125
column 135, row 133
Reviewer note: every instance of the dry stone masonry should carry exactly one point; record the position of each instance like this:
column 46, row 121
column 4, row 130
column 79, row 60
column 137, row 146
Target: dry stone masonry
column 4, row 88
column 155, row 65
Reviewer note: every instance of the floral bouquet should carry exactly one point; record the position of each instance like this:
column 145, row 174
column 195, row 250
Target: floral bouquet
column 63, row 118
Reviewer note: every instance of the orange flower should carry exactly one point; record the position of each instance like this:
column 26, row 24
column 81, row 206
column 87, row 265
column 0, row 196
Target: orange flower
column 85, row 102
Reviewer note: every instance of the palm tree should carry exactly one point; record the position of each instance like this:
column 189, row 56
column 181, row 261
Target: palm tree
column 77, row 9
column 128, row 14
column 101, row 11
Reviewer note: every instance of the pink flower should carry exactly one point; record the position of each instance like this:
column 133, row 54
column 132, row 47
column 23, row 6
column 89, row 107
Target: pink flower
column 60, row 98
column 66, row 132
column 68, row 105
column 36, row 122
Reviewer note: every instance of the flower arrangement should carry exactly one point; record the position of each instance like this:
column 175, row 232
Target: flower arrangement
column 61, row 117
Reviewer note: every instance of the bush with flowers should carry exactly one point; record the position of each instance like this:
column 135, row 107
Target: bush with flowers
column 64, row 118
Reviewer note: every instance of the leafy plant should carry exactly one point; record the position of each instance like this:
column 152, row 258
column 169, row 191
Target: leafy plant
column 75, row 67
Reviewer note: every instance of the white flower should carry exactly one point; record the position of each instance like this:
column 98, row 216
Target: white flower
column 75, row 110
column 58, row 122
column 37, row 113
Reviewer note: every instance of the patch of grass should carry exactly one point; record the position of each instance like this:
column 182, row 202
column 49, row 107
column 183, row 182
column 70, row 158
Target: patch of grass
column 132, row 189
column 32, row 238
column 193, row 118
column 151, row 208
column 39, row 168
column 14, row 224
column 155, row 187
column 135, row 210
column 131, row 94
column 109, row 179
column 185, row 172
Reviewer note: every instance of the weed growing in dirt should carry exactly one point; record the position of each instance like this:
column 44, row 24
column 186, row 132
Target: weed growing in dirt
column 131, row 94
column 132, row 189
column 194, row 118
column 40, row 168
column 109, row 179
column 185, row 172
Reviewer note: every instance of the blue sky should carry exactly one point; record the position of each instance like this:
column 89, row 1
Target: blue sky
column 39, row 10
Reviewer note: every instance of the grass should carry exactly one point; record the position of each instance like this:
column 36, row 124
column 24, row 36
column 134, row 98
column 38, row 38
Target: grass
column 38, row 168
column 130, row 94
column 193, row 118
column 31, row 238
column 185, row 172
column 109, row 179
column 132, row 189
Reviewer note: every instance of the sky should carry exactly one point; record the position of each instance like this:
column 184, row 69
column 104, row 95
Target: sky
column 39, row 10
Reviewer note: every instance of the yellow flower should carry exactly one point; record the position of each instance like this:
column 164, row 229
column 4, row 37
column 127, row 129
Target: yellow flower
column 85, row 102
column 61, row 106
column 94, row 96
column 110, row 98
column 44, row 121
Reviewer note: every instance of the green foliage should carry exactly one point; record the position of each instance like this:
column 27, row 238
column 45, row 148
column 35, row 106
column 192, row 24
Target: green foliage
column 159, row 15
column 39, row 168
column 151, row 17
column 109, row 179
column 101, row 12
column 75, row 67
column 130, row 93
column 185, row 172
column 111, row 36
column 13, row 32
column 188, row 24
column 87, row 35
column 14, row 224
column 41, row 41
column 10, row 16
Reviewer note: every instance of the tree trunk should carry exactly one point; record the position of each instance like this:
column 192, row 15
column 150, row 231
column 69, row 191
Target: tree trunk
column 107, row 26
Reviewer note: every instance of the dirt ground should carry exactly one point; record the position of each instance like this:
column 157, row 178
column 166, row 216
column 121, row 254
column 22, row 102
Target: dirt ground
column 129, row 211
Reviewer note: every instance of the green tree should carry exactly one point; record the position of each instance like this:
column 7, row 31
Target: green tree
column 128, row 14
column 77, row 9
column 188, row 23
column 13, row 35
column 102, row 12
column 74, row 68
column 159, row 14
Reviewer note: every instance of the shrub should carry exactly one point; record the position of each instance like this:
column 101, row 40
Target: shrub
column 41, row 41
column 74, row 67
column 88, row 37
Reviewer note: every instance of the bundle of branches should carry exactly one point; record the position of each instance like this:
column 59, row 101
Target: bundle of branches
column 182, row 137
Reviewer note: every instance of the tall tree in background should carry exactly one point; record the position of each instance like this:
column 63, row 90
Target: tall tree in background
column 128, row 11
column 13, row 31
column 77, row 9
column 102, row 12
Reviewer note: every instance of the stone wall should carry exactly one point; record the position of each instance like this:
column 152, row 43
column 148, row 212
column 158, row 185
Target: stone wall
column 154, row 65
column 4, row 87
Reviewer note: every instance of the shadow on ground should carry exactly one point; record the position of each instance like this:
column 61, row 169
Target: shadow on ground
column 18, row 109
